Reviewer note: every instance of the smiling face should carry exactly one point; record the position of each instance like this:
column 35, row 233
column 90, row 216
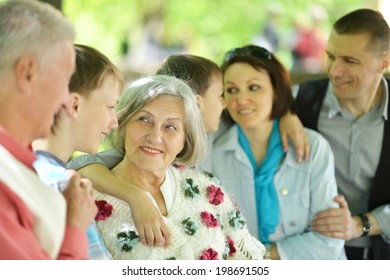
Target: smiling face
column 212, row 103
column 354, row 71
column 96, row 115
column 51, row 88
column 248, row 94
column 155, row 134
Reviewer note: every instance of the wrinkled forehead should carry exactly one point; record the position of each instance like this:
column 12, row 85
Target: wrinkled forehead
column 165, row 105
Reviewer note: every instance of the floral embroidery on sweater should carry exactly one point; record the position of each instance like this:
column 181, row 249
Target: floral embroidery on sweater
column 191, row 189
column 232, row 248
column 200, row 228
column 211, row 176
column 189, row 226
column 236, row 220
column 209, row 254
column 220, row 220
column 209, row 219
column 215, row 195
column 127, row 240
column 104, row 210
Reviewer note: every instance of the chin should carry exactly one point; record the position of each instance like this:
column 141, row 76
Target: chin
column 92, row 150
column 213, row 129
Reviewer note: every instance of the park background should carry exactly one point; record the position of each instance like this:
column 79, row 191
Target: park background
column 138, row 34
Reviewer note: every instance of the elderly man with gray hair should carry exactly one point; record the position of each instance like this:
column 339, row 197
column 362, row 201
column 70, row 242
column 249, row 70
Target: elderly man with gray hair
column 37, row 60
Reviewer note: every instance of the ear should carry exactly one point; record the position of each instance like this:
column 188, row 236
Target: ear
column 26, row 71
column 199, row 98
column 74, row 104
column 385, row 63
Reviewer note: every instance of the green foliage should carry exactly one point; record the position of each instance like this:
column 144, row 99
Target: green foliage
column 206, row 27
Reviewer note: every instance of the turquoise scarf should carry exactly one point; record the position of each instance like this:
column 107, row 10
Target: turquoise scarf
column 266, row 198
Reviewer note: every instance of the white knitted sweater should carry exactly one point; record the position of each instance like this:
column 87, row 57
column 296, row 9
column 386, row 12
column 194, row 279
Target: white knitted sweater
column 225, row 237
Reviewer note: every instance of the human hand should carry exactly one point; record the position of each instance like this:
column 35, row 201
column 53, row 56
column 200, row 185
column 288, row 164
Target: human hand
column 80, row 199
column 338, row 222
column 151, row 226
column 291, row 127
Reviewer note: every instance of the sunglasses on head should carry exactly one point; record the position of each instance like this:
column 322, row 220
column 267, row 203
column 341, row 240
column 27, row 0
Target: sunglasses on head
column 253, row 50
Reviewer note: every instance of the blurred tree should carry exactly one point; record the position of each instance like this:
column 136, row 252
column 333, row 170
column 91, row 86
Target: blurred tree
column 203, row 27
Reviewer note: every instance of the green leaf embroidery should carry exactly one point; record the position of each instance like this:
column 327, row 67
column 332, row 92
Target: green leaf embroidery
column 189, row 226
column 127, row 240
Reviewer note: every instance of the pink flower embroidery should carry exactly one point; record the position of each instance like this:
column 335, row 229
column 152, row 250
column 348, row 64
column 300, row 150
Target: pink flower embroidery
column 104, row 210
column 232, row 248
column 215, row 195
column 209, row 254
column 209, row 219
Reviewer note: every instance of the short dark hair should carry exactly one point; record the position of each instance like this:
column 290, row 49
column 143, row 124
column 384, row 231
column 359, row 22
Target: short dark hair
column 366, row 21
column 91, row 68
column 196, row 71
column 262, row 59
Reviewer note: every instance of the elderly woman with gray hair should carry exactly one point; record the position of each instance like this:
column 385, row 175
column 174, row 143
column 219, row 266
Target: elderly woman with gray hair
column 161, row 131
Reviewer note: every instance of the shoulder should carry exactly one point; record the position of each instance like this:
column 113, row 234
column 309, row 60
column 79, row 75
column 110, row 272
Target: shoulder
column 195, row 184
column 11, row 201
column 314, row 83
column 201, row 177
column 319, row 150
column 227, row 139
column 310, row 87
column 316, row 139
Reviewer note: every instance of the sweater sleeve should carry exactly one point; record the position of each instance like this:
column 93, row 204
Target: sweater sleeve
column 74, row 246
column 109, row 158
column 17, row 238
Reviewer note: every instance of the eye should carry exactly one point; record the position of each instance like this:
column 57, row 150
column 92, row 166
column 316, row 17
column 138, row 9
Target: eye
column 331, row 57
column 254, row 87
column 144, row 119
column 171, row 127
column 350, row 61
column 231, row 90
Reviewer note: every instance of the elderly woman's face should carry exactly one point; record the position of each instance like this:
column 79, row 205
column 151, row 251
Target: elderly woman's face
column 156, row 133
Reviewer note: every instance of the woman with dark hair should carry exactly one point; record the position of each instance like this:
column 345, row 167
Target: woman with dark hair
column 278, row 196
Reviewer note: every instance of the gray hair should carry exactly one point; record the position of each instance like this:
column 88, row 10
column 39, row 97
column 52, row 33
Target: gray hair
column 30, row 28
column 148, row 88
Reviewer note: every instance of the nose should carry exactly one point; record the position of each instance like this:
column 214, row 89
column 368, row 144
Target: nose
column 114, row 122
column 242, row 98
column 155, row 135
column 335, row 68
